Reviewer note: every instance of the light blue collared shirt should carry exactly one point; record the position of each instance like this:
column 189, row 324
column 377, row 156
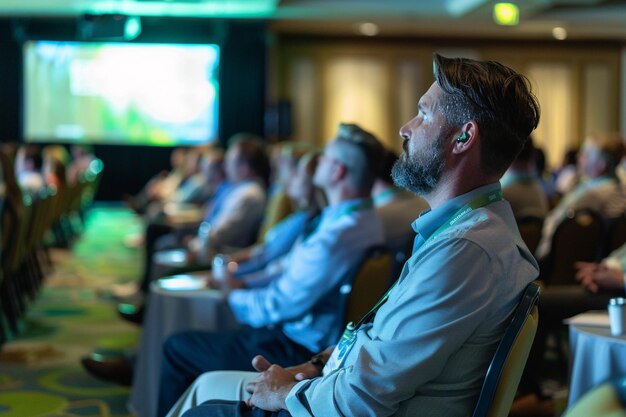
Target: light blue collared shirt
column 265, row 262
column 305, row 298
column 429, row 346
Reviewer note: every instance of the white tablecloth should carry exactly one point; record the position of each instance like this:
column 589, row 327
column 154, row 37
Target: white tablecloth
column 596, row 357
column 168, row 312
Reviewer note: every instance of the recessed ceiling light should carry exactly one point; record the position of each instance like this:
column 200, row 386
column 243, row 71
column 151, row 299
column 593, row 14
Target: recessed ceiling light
column 559, row 33
column 368, row 29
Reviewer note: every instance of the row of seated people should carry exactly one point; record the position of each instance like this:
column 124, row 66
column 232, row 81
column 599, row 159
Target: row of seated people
column 187, row 183
column 30, row 210
column 428, row 347
column 317, row 242
column 600, row 191
column 236, row 210
column 73, row 174
column 296, row 314
column 577, row 247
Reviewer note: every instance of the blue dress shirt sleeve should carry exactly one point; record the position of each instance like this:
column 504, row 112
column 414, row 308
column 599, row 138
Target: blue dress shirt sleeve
column 279, row 241
column 297, row 290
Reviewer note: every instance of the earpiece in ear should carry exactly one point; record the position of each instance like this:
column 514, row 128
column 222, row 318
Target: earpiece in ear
column 464, row 137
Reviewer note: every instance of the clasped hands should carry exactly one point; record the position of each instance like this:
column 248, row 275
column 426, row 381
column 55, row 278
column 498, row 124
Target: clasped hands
column 594, row 276
column 271, row 388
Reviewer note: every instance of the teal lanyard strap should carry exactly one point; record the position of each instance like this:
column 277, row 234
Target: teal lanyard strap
column 477, row 203
column 366, row 204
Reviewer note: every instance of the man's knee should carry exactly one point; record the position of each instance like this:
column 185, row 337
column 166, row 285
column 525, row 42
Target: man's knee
column 175, row 346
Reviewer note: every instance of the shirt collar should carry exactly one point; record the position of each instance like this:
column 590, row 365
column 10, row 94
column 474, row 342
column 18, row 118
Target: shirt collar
column 428, row 222
column 346, row 206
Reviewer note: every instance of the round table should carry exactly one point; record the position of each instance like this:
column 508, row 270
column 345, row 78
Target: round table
column 176, row 304
column 597, row 356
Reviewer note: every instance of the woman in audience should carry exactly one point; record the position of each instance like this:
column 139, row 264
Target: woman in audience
column 284, row 158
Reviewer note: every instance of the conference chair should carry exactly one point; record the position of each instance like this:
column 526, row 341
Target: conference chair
column 278, row 207
column 579, row 237
column 605, row 400
column 507, row 365
column 615, row 234
column 363, row 287
column 530, row 228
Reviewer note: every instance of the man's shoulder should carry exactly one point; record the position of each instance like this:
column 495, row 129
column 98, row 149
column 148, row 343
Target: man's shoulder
column 360, row 225
column 490, row 228
column 251, row 190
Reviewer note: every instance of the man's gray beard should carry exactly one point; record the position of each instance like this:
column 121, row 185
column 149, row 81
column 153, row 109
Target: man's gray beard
column 419, row 178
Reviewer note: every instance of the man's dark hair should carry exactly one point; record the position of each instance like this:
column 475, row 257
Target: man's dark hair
column 252, row 153
column 496, row 97
column 527, row 152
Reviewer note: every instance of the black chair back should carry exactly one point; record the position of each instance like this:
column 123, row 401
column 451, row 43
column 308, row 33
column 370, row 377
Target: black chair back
column 530, row 228
column 579, row 237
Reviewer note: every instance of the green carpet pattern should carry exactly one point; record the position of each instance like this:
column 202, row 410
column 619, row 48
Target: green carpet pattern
column 40, row 373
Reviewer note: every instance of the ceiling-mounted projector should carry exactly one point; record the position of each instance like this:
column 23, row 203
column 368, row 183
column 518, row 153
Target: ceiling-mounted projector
column 109, row 27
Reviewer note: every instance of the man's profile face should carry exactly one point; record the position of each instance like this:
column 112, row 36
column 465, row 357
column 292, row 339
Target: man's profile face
column 425, row 138
column 323, row 172
column 232, row 164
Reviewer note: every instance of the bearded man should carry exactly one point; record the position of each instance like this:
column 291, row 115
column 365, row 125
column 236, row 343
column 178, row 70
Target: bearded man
column 426, row 348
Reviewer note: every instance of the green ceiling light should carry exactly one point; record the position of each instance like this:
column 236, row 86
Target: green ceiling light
column 132, row 27
column 506, row 14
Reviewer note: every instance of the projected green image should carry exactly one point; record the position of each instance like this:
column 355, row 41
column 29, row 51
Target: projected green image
column 138, row 94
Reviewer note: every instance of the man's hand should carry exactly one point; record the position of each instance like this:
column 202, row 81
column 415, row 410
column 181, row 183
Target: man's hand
column 270, row 390
column 274, row 383
column 300, row 372
column 594, row 276
column 229, row 282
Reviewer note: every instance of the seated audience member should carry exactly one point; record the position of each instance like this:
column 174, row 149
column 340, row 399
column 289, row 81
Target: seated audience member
column 426, row 349
column 54, row 173
column 82, row 157
column 59, row 152
column 299, row 312
column 601, row 192
column 521, row 186
column 233, row 215
column 257, row 265
column 609, row 275
column 212, row 170
column 190, row 190
column 161, row 185
column 599, row 283
column 28, row 166
column 396, row 208
column 260, row 263
column 284, row 158
column 568, row 176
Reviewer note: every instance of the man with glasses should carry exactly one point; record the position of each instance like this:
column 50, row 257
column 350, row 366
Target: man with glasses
column 425, row 348
column 299, row 312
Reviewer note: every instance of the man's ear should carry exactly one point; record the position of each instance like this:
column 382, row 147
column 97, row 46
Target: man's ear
column 467, row 137
column 339, row 172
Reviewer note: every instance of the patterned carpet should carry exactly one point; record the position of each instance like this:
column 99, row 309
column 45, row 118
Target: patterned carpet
column 40, row 373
